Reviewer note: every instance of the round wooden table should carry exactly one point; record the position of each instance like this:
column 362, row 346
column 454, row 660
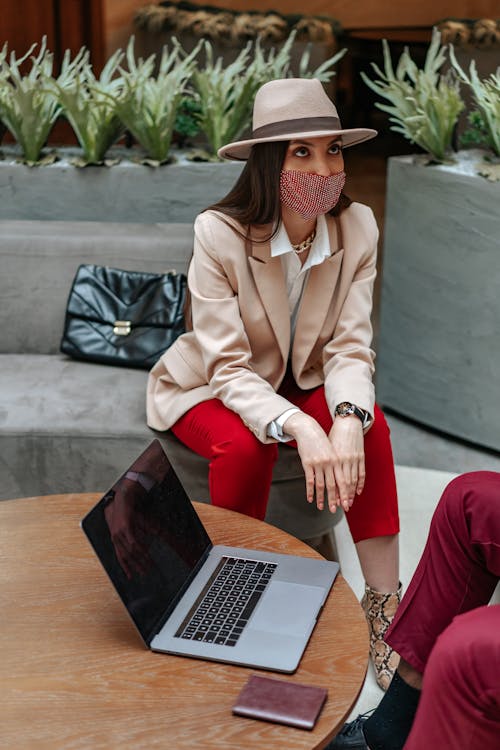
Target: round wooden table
column 75, row 673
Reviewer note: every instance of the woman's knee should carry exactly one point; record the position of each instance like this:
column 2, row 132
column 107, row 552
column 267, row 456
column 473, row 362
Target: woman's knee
column 473, row 497
column 240, row 473
column 245, row 448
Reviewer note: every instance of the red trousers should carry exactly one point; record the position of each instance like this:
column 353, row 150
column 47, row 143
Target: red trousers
column 443, row 628
column 241, row 467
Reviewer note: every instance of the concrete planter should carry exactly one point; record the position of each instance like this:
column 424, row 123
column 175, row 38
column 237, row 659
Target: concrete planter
column 439, row 351
column 124, row 192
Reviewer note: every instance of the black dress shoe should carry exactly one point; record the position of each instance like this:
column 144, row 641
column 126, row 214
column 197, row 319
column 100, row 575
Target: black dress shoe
column 351, row 735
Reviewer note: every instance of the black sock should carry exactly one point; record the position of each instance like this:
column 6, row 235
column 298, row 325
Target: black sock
column 389, row 726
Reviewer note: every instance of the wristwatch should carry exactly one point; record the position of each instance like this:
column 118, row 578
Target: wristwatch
column 345, row 409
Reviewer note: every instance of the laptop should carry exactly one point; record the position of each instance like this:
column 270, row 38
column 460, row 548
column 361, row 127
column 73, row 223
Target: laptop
column 190, row 597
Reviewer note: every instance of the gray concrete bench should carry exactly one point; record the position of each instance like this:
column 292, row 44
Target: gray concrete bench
column 68, row 426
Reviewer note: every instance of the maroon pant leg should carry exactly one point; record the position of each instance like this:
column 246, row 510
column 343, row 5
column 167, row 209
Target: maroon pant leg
column 460, row 704
column 458, row 570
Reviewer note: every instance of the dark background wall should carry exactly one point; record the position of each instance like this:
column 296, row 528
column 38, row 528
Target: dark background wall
column 104, row 25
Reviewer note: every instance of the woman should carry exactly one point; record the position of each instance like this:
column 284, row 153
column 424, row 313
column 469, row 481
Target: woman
column 281, row 285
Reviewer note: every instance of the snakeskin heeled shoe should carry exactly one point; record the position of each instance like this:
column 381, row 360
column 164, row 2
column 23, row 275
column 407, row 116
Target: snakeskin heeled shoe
column 379, row 611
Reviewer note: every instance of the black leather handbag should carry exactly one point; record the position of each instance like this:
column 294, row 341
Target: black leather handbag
column 126, row 318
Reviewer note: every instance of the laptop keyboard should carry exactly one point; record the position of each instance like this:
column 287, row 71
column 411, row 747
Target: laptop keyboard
column 223, row 609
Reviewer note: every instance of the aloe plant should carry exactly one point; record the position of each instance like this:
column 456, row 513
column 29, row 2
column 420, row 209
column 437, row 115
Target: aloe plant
column 148, row 104
column 424, row 105
column 27, row 109
column 485, row 121
column 226, row 93
column 324, row 71
column 277, row 63
column 88, row 103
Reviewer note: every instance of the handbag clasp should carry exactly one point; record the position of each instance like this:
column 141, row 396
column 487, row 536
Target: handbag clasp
column 122, row 327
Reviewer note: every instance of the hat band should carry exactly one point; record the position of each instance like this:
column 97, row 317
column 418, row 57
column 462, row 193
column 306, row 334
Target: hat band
column 301, row 124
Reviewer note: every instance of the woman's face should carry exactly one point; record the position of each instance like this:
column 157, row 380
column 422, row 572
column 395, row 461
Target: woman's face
column 322, row 155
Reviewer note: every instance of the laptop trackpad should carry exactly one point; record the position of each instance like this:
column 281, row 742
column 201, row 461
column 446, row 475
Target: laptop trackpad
column 288, row 608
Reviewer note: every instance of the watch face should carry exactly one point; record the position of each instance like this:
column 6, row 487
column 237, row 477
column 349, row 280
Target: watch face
column 344, row 409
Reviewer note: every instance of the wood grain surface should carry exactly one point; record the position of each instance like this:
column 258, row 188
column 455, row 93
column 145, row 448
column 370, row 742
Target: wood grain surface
column 74, row 672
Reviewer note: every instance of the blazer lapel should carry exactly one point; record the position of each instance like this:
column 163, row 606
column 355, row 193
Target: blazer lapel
column 270, row 282
column 316, row 300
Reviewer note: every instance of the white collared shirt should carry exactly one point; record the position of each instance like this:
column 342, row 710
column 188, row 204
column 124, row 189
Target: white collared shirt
column 296, row 275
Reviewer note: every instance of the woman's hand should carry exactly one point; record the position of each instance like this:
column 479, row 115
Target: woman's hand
column 317, row 454
column 346, row 438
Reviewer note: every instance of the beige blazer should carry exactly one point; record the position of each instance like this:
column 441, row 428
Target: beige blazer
column 240, row 343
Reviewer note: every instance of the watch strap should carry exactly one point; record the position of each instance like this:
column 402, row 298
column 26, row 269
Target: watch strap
column 364, row 416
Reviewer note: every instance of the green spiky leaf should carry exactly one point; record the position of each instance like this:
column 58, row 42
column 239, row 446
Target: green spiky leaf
column 486, row 95
column 88, row 102
column 226, row 93
column 424, row 105
column 148, row 104
column 27, row 109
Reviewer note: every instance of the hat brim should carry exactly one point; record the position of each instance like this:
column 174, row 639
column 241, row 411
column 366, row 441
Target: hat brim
column 240, row 150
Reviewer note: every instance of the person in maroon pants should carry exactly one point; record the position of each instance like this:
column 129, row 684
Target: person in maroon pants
column 446, row 691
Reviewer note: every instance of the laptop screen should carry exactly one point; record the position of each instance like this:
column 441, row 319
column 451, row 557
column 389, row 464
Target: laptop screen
column 148, row 538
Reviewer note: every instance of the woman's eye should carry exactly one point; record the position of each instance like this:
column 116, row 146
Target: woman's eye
column 301, row 151
column 335, row 148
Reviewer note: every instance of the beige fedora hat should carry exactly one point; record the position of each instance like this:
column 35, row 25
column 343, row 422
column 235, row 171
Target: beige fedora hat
column 290, row 108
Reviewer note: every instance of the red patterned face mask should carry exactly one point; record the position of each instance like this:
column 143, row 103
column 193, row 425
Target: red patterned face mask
column 310, row 194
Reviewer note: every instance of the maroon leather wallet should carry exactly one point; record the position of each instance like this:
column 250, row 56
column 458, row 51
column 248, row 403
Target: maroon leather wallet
column 291, row 703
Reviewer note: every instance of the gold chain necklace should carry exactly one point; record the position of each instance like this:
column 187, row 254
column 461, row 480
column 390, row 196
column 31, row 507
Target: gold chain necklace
column 306, row 244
